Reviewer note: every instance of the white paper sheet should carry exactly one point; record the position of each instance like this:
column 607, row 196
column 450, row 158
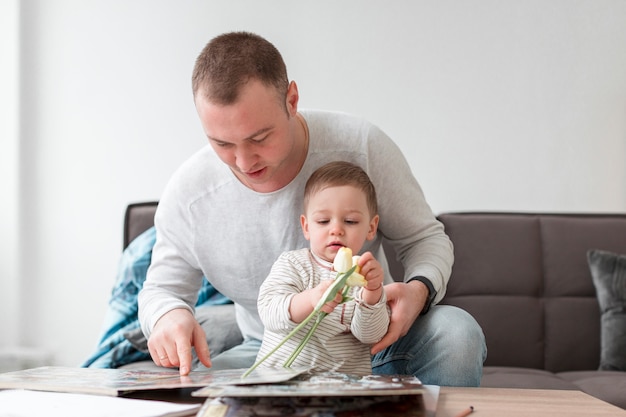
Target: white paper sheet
column 431, row 398
column 24, row 403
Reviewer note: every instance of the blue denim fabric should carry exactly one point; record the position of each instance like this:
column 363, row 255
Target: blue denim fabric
column 113, row 349
column 445, row 347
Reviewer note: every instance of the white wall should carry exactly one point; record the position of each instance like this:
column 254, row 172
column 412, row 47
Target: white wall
column 9, row 166
column 499, row 105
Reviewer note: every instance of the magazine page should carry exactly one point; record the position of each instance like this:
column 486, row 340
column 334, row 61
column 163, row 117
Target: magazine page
column 115, row 382
column 327, row 384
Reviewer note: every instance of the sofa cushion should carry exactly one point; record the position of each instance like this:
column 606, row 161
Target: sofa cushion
column 513, row 377
column 608, row 386
column 496, row 277
column 572, row 326
column 609, row 277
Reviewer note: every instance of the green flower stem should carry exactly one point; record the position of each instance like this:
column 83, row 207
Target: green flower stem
column 309, row 334
column 294, row 331
column 329, row 295
column 304, row 341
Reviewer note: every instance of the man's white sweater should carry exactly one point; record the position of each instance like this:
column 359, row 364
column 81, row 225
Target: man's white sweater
column 208, row 223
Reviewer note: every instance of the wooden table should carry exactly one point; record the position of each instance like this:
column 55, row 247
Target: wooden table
column 508, row 402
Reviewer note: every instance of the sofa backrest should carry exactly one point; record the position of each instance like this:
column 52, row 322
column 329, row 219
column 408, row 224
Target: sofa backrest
column 138, row 218
column 525, row 279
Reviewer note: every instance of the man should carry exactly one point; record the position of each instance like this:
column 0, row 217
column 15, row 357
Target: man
column 234, row 206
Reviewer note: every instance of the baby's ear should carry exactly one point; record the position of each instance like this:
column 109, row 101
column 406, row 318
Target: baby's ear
column 371, row 233
column 305, row 226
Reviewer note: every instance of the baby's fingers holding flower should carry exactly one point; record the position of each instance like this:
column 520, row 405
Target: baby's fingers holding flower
column 329, row 306
column 372, row 270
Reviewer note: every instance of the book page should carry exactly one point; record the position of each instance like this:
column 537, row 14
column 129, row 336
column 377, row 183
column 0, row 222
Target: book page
column 24, row 403
column 115, row 382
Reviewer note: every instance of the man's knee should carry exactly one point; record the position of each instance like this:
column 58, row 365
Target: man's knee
column 459, row 329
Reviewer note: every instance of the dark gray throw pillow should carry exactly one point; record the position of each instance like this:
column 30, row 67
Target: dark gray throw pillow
column 608, row 271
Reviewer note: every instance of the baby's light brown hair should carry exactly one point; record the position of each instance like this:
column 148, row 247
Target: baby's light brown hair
column 337, row 174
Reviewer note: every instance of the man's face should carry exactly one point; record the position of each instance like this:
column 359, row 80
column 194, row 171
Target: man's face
column 255, row 136
column 338, row 217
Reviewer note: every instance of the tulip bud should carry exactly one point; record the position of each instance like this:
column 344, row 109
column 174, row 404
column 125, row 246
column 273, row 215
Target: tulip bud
column 343, row 260
column 355, row 261
column 356, row 280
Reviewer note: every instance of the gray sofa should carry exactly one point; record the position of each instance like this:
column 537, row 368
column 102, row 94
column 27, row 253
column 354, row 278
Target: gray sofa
column 525, row 278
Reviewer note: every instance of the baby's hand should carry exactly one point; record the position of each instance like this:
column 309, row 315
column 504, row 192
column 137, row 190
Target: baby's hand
column 318, row 292
column 372, row 270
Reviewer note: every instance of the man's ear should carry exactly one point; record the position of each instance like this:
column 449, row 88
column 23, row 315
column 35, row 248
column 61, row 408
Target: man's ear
column 305, row 226
column 371, row 233
column 292, row 99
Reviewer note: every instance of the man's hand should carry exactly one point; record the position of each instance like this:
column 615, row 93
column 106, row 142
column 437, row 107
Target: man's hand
column 172, row 338
column 406, row 302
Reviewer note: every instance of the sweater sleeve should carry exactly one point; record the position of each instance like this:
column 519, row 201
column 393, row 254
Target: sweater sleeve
column 173, row 279
column 406, row 219
column 283, row 282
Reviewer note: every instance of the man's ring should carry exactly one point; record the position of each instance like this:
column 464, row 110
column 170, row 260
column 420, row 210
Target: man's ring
column 163, row 357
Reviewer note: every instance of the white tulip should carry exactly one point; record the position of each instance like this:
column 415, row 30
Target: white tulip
column 344, row 261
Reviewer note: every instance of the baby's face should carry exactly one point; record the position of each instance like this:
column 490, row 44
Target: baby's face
column 337, row 217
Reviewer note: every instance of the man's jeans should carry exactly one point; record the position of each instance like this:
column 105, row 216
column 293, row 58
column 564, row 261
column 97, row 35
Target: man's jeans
column 445, row 347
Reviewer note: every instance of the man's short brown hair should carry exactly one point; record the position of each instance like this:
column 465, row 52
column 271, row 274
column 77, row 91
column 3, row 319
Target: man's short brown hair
column 230, row 60
column 337, row 174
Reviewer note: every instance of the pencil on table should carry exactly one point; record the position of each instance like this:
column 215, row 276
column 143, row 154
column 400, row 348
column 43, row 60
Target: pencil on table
column 466, row 412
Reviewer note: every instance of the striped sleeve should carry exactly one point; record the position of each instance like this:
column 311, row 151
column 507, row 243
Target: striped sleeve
column 370, row 322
